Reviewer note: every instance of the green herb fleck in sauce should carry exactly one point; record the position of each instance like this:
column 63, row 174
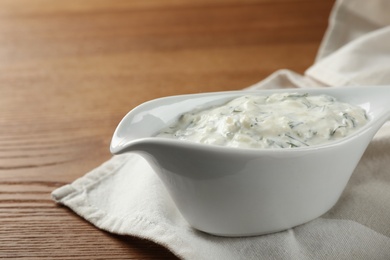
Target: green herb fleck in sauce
column 286, row 120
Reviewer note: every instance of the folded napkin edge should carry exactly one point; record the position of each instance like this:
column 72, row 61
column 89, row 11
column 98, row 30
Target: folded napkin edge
column 137, row 226
column 62, row 192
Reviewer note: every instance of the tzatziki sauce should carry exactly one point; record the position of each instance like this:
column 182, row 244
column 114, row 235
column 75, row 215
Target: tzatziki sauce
column 281, row 120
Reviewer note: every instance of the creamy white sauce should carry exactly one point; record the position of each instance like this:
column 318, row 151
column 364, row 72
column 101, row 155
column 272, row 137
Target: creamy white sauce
column 284, row 120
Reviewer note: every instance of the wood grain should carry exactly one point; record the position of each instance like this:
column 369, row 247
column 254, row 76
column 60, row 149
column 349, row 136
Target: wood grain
column 70, row 70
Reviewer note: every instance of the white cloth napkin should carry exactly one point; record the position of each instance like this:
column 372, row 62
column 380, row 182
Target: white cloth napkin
column 124, row 196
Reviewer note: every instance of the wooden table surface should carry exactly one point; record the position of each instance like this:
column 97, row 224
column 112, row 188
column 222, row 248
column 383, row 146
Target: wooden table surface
column 70, row 70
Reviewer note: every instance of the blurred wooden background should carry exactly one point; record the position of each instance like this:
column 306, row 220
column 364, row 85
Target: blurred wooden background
column 70, row 70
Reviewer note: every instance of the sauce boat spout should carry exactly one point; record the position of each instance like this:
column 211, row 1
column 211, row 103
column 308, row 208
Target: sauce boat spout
column 231, row 191
column 144, row 121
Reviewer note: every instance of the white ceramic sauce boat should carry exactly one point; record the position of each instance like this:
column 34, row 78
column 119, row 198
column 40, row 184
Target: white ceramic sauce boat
column 243, row 192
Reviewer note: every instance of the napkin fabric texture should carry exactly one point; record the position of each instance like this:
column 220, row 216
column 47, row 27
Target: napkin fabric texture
column 124, row 195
